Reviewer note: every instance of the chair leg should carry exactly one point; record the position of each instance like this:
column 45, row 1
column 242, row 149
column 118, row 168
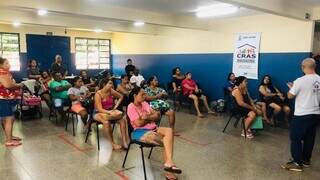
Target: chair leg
column 143, row 163
column 88, row 132
column 224, row 129
column 98, row 136
column 67, row 121
column 125, row 158
column 73, row 123
column 151, row 149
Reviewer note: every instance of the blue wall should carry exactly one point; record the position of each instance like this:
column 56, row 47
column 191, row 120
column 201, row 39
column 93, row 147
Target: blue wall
column 210, row 70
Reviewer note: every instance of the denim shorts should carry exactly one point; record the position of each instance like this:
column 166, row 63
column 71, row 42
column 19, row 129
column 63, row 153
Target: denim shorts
column 7, row 107
column 139, row 133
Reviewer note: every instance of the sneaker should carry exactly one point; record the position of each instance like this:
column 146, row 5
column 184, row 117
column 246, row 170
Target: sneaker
column 306, row 164
column 292, row 166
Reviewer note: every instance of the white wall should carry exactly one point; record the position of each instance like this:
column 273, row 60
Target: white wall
column 279, row 34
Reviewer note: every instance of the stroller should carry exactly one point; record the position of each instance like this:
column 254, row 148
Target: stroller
column 30, row 105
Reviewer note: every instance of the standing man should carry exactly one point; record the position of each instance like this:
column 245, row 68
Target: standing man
column 58, row 67
column 129, row 68
column 306, row 91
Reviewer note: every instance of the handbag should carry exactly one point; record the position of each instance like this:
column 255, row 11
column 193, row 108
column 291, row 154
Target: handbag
column 257, row 123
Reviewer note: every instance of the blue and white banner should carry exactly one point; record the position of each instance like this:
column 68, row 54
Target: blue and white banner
column 246, row 55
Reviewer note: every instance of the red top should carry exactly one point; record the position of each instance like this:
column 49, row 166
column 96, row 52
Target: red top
column 189, row 82
column 8, row 93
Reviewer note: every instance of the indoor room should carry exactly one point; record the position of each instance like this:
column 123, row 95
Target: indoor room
column 159, row 89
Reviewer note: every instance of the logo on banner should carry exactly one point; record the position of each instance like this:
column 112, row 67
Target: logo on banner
column 246, row 54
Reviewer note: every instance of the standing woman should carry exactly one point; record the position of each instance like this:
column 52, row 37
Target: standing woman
column 107, row 101
column 8, row 99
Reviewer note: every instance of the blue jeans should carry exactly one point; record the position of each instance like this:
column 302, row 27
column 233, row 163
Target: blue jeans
column 303, row 129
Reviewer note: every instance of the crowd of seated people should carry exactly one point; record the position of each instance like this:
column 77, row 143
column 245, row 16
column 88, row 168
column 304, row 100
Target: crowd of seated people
column 271, row 100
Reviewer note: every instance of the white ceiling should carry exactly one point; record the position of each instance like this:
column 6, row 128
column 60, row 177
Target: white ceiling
column 119, row 15
column 174, row 7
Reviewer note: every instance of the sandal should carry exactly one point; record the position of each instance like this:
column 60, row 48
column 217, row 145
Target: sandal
column 173, row 169
column 15, row 138
column 12, row 143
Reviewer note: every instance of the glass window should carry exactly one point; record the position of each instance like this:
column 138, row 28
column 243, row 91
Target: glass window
column 10, row 49
column 92, row 53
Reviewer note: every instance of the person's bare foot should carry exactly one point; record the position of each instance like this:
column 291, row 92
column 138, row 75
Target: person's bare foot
column 212, row 113
column 170, row 176
column 116, row 147
column 200, row 115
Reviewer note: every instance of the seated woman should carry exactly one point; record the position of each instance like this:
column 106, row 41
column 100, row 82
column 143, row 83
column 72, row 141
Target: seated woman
column 79, row 95
column 125, row 88
column 246, row 106
column 143, row 120
column 273, row 98
column 155, row 96
column 87, row 81
column 107, row 100
column 230, row 83
column 190, row 89
column 59, row 92
column 177, row 78
column 33, row 70
column 44, row 90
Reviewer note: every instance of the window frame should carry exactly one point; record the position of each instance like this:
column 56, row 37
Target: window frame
column 98, row 39
column 19, row 47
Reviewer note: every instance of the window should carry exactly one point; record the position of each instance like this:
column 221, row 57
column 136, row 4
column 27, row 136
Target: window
column 10, row 48
column 92, row 53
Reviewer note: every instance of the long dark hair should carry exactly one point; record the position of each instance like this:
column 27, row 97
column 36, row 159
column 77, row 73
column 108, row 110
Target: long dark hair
column 2, row 60
column 229, row 75
column 104, row 81
column 151, row 79
column 134, row 92
column 239, row 80
column 270, row 85
column 174, row 70
column 37, row 66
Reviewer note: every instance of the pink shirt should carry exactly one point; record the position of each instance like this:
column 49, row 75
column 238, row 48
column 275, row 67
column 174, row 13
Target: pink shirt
column 135, row 112
column 189, row 82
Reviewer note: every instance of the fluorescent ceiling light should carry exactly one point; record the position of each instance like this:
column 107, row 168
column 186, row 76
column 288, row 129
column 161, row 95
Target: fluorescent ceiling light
column 42, row 12
column 16, row 24
column 138, row 23
column 98, row 30
column 219, row 9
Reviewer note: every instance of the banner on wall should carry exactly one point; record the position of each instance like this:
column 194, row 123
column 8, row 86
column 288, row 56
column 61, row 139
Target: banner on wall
column 246, row 55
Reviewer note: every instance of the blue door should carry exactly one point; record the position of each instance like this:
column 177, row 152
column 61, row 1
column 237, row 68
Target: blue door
column 44, row 49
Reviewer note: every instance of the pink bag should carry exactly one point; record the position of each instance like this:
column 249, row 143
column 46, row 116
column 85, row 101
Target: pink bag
column 32, row 101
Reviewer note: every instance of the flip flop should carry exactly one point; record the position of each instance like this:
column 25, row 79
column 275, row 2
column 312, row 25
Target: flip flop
column 15, row 138
column 173, row 169
column 12, row 144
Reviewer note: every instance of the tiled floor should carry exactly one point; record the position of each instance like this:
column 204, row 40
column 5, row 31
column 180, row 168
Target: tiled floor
column 202, row 151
